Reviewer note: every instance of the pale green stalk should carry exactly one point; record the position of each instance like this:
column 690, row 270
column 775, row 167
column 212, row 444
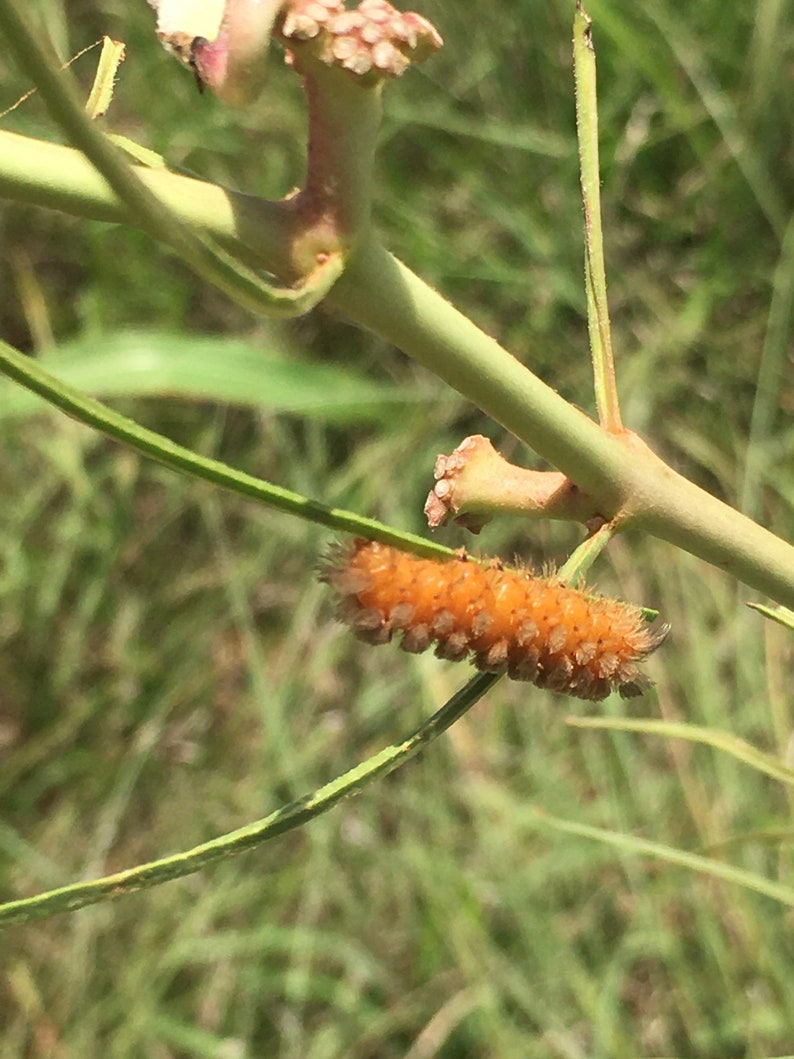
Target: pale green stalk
column 584, row 68
column 624, row 476
column 60, row 178
column 94, row 414
column 383, row 294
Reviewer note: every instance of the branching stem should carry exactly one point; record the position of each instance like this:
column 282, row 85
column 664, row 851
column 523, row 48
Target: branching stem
column 630, row 483
column 145, row 209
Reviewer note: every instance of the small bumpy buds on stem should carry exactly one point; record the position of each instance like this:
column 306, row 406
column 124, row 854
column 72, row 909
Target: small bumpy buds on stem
column 531, row 628
column 474, row 483
column 373, row 41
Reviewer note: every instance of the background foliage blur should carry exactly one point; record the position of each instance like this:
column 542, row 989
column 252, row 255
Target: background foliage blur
column 170, row 668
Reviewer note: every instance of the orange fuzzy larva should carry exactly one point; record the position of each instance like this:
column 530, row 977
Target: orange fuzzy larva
column 509, row 621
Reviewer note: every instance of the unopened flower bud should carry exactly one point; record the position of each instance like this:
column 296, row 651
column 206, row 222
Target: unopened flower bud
column 224, row 42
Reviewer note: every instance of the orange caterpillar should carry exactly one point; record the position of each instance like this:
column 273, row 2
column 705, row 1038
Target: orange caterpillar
column 532, row 628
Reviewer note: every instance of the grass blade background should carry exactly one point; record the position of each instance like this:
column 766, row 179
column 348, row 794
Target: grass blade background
column 136, row 629
column 272, row 379
column 79, row 895
column 681, row 858
column 723, row 741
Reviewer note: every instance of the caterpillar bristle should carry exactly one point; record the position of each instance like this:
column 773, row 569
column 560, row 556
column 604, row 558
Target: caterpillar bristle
column 532, row 628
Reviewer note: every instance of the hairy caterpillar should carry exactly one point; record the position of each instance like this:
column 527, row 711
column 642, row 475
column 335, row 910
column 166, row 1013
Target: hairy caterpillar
column 509, row 621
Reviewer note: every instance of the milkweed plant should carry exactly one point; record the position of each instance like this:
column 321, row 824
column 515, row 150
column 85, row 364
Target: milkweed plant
column 319, row 246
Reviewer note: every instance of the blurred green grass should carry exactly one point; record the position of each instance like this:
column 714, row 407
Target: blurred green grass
column 169, row 666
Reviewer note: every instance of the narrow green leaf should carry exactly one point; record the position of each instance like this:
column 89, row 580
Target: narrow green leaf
column 111, row 57
column 93, row 414
column 139, row 154
column 782, row 615
column 137, row 364
column 680, row 858
column 286, row 818
column 729, row 744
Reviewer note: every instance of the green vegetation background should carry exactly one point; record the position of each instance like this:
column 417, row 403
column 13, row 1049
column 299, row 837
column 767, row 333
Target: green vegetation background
column 169, row 666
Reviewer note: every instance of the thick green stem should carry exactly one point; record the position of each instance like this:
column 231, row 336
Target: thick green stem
column 208, row 260
column 384, row 295
column 60, row 178
column 629, row 482
column 286, row 818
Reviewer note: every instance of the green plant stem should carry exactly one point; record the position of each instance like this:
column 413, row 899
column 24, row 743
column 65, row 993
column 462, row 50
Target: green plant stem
column 584, row 66
column 144, row 208
column 287, row 818
column 94, row 414
column 631, row 483
column 382, row 294
column 60, row 178
column 580, row 561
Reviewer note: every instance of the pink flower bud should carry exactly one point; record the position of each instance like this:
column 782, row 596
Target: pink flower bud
column 225, row 42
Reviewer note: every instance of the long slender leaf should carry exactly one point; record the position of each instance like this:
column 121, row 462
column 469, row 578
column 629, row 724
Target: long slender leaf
column 94, row 414
column 236, row 371
column 729, row 744
column 286, row 818
column 679, row 857
column 782, row 615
